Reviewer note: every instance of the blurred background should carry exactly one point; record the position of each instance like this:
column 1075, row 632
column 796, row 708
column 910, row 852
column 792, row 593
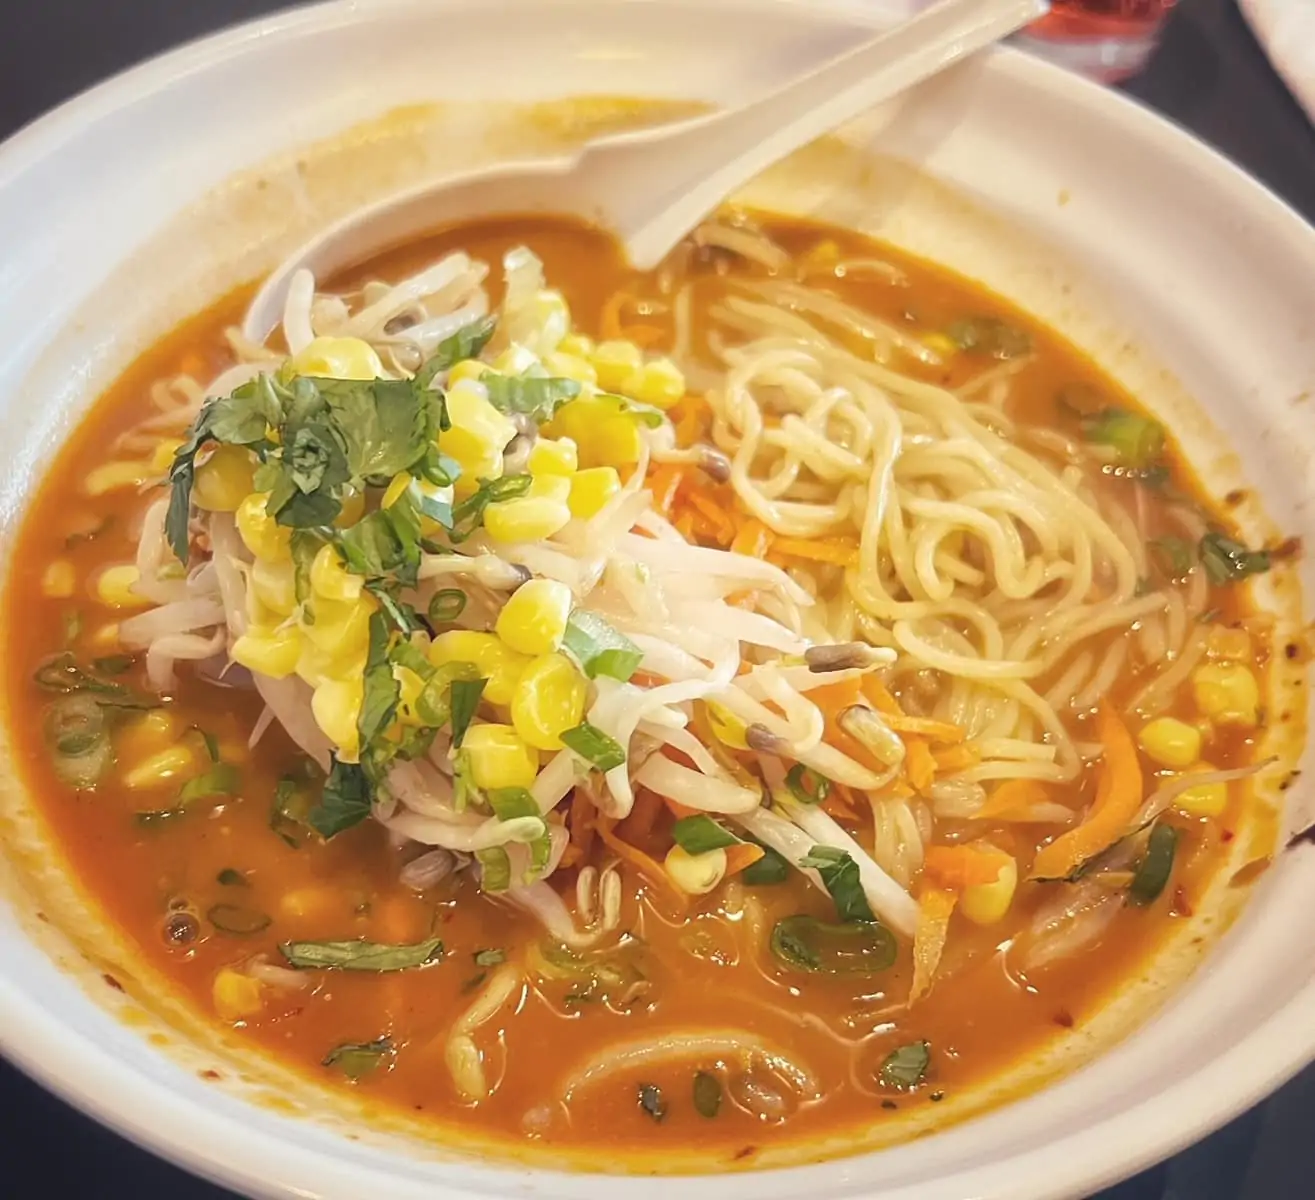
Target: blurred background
column 1235, row 72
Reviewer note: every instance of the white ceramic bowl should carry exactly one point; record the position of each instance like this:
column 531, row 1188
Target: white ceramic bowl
column 110, row 226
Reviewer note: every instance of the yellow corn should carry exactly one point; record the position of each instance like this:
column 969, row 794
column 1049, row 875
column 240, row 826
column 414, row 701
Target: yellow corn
column 59, row 581
column 569, row 366
column 468, row 369
column 498, row 757
column 495, row 661
column 577, row 345
column 146, row 734
column 550, row 457
column 940, row 345
column 106, row 637
column 335, row 358
column 315, row 666
column 162, row 457
column 1205, row 800
column 274, row 585
column 987, row 903
column 727, row 728
column 551, row 315
column 591, row 489
column 515, row 360
column 111, row 476
column 114, row 587
column 224, row 480
column 336, row 704
column 340, row 627
column 478, row 435
column 330, row 579
column 162, row 767
column 236, row 996
column 615, row 362
column 409, row 687
column 1227, row 693
column 1232, row 645
column 270, row 652
column 556, row 488
column 549, row 700
column 526, row 518
column 659, row 383
column 695, row 874
column 260, row 533
column 396, row 490
column 353, row 507
column 1170, row 742
column 534, row 618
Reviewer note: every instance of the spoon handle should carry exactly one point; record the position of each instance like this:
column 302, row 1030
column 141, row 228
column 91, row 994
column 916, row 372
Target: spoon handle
column 701, row 162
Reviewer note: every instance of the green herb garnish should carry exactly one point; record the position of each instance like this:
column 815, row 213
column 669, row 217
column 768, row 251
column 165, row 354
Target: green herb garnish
column 905, row 1067
column 840, row 876
column 344, row 802
column 535, row 397
column 464, row 698
column 361, row 955
column 707, row 1094
column 856, row 948
column 806, row 785
column 1137, row 441
column 1227, row 561
column 1156, row 866
column 359, row 1059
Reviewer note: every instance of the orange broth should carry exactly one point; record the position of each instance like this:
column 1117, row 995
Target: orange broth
column 980, row 1018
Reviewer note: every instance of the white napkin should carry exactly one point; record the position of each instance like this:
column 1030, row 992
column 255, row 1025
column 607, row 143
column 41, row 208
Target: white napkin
column 1286, row 29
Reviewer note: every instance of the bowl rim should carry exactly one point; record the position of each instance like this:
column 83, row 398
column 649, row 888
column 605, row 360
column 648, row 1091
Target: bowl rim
column 215, row 1144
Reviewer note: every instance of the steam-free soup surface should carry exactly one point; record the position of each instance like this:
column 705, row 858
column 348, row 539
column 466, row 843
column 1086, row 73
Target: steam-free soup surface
column 210, row 882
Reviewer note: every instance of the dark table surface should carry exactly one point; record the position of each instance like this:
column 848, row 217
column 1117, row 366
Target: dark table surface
column 1209, row 75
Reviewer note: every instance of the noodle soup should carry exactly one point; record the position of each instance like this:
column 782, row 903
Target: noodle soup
column 731, row 705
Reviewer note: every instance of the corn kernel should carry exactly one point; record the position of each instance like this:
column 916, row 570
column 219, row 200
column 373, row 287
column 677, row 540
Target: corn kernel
column 552, row 316
column 260, row 533
column 336, row 704
column 1205, row 800
column 1170, row 742
column 146, row 734
column 310, row 901
column 111, row 476
column 468, row 369
column 1227, row 693
column 614, row 362
column 315, row 665
column 269, row 652
column 495, row 661
column 526, row 518
column 340, row 627
column 940, row 345
column 106, row 637
column 515, row 360
column 569, row 366
column 695, row 874
column 335, row 358
column 162, row 457
column 987, row 903
column 1231, row 645
column 274, row 585
column 236, row 996
column 550, row 457
column 224, row 480
column 534, row 618
column 659, row 383
column 549, row 700
column 59, row 581
column 591, row 489
column 556, row 488
column 616, row 443
column 478, row 435
column 330, row 579
column 577, row 345
column 162, row 767
column 114, row 587
column 498, row 757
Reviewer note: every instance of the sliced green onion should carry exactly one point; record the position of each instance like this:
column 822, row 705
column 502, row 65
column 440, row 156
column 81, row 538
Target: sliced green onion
column 857, row 948
column 707, row 1094
column 700, row 833
column 989, row 335
column 79, row 741
column 840, row 876
column 229, row 877
column 1227, row 561
column 237, row 920
column 594, row 746
column 496, row 869
column 1137, row 441
column 905, row 1067
column 806, row 785
column 223, row 779
column 651, row 1101
column 598, row 648
column 490, row 958
column 358, row 1059
column 407, row 654
column 447, row 605
column 434, row 704
column 465, row 697
column 361, row 955
column 508, row 803
column 1176, row 555
column 1156, row 867
column 465, row 343
column 769, row 870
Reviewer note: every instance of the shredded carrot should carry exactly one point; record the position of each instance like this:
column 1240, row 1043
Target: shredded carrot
column 843, row 553
column 753, row 539
column 878, row 695
column 193, row 364
column 741, row 856
column 637, row 828
column 691, row 416
column 1014, row 796
column 664, row 481
column 834, row 698
column 609, row 320
column 582, row 821
column 936, row 731
column 959, row 867
column 1118, row 797
column 839, row 802
column 935, row 905
column 685, row 526
column 571, row 856
column 747, row 600
column 957, row 758
column 919, row 765
column 677, row 809
column 647, row 867
column 714, row 513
